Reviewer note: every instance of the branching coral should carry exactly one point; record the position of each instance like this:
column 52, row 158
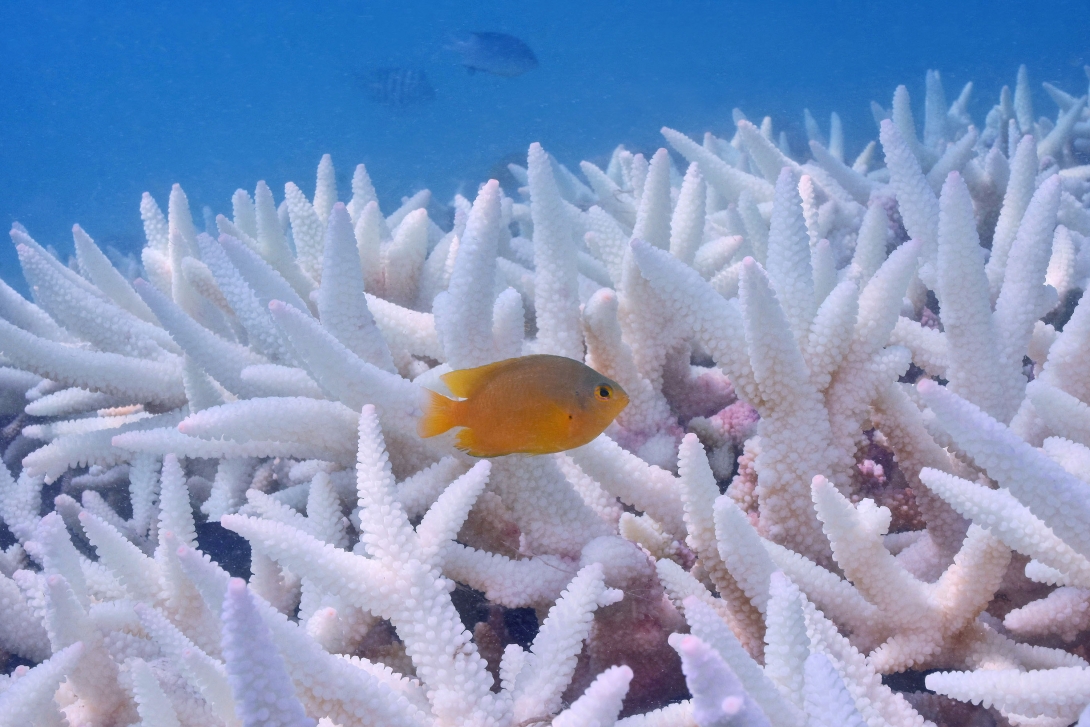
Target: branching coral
column 856, row 449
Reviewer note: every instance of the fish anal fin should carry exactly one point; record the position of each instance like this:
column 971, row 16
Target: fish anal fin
column 465, row 383
column 467, row 442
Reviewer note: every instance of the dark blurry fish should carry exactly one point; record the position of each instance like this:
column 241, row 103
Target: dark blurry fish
column 498, row 53
column 399, row 86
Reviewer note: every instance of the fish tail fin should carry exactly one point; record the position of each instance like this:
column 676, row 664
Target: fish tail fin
column 440, row 414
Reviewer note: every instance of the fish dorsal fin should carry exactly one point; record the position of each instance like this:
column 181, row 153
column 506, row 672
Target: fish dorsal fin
column 464, row 383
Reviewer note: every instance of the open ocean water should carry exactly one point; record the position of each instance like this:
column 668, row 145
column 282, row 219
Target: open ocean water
column 100, row 102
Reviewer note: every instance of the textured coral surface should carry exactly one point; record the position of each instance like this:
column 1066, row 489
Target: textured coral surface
column 852, row 486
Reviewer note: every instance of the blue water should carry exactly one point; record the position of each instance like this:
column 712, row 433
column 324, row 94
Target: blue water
column 100, row 102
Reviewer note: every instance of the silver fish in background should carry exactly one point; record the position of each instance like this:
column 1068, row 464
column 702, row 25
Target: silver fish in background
column 497, row 53
column 398, row 86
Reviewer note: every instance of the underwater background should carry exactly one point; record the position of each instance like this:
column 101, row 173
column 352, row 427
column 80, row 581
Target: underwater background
column 101, row 102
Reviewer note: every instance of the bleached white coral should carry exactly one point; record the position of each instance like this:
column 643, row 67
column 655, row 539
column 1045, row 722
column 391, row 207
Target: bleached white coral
column 765, row 313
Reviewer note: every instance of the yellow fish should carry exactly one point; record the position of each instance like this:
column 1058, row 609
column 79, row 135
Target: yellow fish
column 531, row 405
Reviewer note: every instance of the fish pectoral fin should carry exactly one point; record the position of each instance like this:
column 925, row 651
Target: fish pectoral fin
column 465, row 383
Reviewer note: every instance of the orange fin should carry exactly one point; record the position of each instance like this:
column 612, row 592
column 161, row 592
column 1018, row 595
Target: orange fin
column 466, row 382
column 440, row 414
column 466, row 441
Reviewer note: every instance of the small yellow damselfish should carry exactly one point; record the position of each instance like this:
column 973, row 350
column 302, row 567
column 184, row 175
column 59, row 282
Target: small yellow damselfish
column 530, row 405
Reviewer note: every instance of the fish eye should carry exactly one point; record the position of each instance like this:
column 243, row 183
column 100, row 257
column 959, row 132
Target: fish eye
column 603, row 392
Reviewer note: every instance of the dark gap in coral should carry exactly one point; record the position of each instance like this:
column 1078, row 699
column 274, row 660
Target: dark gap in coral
column 932, row 304
column 51, row 490
column 229, row 549
column 381, row 644
column 490, row 637
column 701, row 358
column 522, row 625
column 13, row 662
column 986, row 227
column 725, row 483
column 1027, row 368
column 472, row 606
column 7, row 539
column 946, row 712
column 431, row 362
column 896, row 222
column 908, row 681
column 930, row 319
column 203, row 467
column 118, row 498
column 154, row 408
column 19, row 448
column 914, row 374
column 1061, row 314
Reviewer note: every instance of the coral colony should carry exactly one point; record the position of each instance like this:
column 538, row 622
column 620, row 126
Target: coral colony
column 852, row 486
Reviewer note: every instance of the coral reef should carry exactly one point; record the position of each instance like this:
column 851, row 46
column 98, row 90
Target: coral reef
column 852, row 486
